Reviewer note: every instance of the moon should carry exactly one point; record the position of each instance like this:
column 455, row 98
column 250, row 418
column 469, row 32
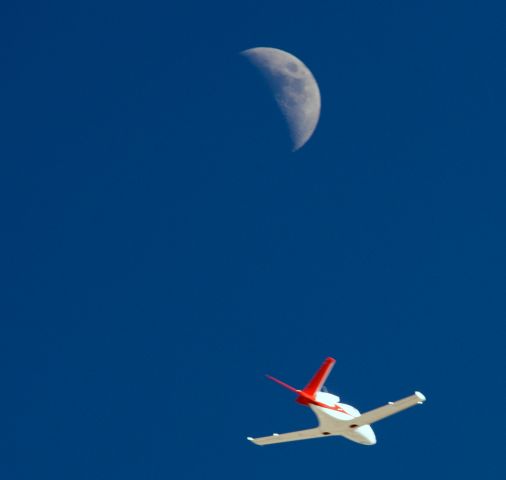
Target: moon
column 294, row 88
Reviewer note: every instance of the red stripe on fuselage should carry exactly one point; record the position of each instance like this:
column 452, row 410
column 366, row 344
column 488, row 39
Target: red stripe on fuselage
column 338, row 408
column 305, row 399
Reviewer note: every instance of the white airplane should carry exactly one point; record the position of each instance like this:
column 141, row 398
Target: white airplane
column 336, row 419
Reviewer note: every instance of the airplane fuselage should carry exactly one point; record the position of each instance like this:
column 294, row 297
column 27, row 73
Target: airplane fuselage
column 336, row 416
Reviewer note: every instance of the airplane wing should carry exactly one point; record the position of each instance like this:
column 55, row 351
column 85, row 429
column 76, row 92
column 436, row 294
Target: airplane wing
column 382, row 412
column 289, row 437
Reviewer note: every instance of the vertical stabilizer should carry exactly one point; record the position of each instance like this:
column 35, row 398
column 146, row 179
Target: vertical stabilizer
column 316, row 383
column 308, row 394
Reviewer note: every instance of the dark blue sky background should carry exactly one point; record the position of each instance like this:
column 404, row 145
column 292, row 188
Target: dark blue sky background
column 163, row 249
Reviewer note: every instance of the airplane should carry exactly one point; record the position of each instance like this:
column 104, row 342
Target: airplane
column 335, row 418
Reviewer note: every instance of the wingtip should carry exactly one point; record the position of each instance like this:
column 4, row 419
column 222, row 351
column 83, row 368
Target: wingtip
column 421, row 396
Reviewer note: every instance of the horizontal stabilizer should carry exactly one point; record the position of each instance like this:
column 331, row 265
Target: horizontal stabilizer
column 308, row 394
column 283, row 384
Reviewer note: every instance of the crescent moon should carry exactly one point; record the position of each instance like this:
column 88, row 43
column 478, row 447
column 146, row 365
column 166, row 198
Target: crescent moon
column 294, row 87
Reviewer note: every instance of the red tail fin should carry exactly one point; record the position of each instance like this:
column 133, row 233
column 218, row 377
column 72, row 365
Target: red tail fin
column 316, row 383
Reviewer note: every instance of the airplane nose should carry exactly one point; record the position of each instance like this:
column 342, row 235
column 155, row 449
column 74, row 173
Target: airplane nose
column 367, row 433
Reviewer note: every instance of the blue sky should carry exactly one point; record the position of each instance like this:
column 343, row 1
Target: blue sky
column 163, row 249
